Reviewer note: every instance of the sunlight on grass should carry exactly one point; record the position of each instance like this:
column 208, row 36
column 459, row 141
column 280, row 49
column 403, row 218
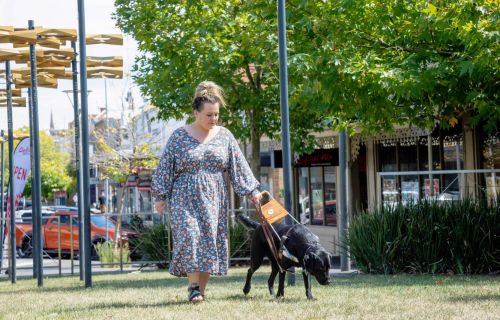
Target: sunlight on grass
column 158, row 295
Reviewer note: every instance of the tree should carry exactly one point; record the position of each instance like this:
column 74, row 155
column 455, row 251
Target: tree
column 381, row 63
column 233, row 43
column 54, row 172
column 372, row 63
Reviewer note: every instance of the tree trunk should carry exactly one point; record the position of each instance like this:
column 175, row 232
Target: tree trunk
column 255, row 156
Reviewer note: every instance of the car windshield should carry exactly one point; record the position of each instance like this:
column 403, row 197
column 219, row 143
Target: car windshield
column 102, row 222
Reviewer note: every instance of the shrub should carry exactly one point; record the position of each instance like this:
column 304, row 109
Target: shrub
column 428, row 237
column 152, row 244
column 109, row 255
column 239, row 241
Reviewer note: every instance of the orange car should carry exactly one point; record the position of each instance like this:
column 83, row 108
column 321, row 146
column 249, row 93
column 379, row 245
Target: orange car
column 101, row 229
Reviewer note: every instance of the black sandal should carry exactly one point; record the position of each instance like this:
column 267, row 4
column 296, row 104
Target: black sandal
column 194, row 294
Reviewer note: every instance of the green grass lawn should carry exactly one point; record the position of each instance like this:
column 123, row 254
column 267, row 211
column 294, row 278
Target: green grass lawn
column 158, row 295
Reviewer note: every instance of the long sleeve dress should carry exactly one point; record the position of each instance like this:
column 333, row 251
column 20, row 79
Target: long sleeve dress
column 189, row 178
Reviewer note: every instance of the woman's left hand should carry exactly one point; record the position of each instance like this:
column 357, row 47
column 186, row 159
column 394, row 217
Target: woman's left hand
column 256, row 198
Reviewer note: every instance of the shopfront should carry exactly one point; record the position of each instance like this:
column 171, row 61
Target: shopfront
column 316, row 181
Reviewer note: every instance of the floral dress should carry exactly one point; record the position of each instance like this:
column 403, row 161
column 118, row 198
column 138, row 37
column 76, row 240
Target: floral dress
column 190, row 179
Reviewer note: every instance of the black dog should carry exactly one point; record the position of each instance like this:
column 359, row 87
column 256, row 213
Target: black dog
column 300, row 243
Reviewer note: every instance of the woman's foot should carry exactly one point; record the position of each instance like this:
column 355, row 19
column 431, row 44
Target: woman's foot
column 195, row 295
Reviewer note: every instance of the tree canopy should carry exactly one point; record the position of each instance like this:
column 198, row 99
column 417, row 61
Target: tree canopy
column 233, row 43
column 54, row 166
column 402, row 62
column 372, row 63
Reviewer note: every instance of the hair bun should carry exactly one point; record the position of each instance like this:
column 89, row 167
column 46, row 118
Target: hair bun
column 210, row 89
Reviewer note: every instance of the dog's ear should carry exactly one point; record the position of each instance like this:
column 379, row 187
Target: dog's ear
column 309, row 262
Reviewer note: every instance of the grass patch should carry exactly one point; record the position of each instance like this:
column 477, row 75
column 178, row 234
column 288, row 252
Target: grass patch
column 158, row 295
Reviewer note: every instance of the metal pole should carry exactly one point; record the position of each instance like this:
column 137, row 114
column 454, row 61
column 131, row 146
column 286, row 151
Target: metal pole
column 36, row 187
column 460, row 176
column 36, row 229
column 12, row 196
column 78, row 164
column 429, row 163
column 85, row 146
column 285, row 128
column 106, row 137
column 344, row 256
column 2, row 217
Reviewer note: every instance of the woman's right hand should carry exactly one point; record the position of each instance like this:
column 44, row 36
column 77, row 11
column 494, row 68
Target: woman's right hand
column 160, row 207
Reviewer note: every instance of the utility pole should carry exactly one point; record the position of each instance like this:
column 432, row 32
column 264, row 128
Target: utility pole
column 285, row 121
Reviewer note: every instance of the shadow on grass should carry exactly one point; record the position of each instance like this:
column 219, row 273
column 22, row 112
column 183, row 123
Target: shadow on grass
column 121, row 305
column 243, row 298
column 475, row 298
column 260, row 278
column 130, row 283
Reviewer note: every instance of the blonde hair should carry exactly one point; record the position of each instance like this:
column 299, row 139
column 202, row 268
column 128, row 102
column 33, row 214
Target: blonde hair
column 208, row 91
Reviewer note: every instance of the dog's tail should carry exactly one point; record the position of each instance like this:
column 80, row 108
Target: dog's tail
column 247, row 222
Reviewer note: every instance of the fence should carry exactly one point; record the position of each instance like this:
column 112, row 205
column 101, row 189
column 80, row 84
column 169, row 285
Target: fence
column 64, row 258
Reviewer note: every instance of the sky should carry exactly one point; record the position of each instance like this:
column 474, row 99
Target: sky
column 64, row 14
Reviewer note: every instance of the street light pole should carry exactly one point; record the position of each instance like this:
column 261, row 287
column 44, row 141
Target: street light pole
column 78, row 164
column 12, row 207
column 106, row 137
column 344, row 223
column 36, row 188
column 85, row 146
column 36, row 229
column 2, row 217
column 285, row 127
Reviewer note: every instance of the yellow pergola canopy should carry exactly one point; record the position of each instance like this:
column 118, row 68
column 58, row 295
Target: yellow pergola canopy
column 111, row 73
column 61, row 34
column 43, row 80
column 16, row 101
column 113, row 61
column 114, row 39
column 51, row 38
column 49, row 42
column 18, row 37
column 6, row 28
column 63, row 53
column 15, row 92
column 8, row 54
column 53, row 62
column 24, row 56
column 25, row 72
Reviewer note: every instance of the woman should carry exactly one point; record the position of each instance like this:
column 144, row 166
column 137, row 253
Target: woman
column 189, row 184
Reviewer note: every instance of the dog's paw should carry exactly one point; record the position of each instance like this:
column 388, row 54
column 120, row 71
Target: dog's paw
column 246, row 290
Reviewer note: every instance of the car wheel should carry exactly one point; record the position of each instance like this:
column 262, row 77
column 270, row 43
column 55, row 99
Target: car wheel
column 26, row 250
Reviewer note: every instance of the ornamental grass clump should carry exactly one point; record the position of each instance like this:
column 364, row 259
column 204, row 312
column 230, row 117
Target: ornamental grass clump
column 428, row 237
column 111, row 256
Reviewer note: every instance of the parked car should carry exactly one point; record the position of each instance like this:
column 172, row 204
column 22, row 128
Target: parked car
column 102, row 229
column 26, row 215
column 61, row 208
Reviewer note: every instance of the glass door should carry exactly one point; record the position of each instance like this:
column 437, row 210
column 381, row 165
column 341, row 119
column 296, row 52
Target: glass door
column 330, row 217
column 317, row 195
column 304, row 204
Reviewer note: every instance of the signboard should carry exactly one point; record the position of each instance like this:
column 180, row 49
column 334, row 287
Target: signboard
column 320, row 157
column 22, row 168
